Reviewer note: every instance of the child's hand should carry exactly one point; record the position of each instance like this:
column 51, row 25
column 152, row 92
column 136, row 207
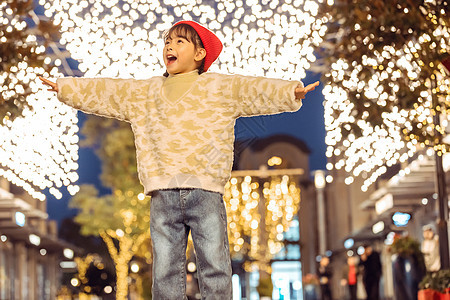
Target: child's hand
column 53, row 87
column 300, row 92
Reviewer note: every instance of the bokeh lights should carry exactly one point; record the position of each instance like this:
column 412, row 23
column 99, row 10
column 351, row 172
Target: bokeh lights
column 38, row 151
column 370, row 95
column 259, row 211
column 112, row 38
column 124, row 38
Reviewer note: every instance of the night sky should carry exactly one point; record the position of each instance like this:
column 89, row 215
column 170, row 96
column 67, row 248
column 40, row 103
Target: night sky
column 307, row 124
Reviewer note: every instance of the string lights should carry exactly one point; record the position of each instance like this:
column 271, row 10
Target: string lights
column 381, row 97
column 39, row 150
column 258, row 212
column 124, row 39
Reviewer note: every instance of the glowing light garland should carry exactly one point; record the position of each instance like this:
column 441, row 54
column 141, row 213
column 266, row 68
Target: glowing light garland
column 257, row 232
column 124, row 39
column 378, row 148
column 40, row 150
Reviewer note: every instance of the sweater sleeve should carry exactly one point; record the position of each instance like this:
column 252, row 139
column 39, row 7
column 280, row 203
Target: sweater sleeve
column 253, row 96
column 115, row 98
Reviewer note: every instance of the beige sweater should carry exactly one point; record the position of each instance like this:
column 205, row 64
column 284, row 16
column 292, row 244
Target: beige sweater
column 185, row 142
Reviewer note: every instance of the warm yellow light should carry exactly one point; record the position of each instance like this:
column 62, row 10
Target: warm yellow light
column 274, row 161
column 279, row 203
column 75, row 282
column 191, row 267
column 126, row 40
column 376, row 147
column 380, row 146
column 134, row 267
column 38, row 151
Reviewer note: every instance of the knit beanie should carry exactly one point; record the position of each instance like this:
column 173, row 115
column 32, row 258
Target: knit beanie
column 211, row 42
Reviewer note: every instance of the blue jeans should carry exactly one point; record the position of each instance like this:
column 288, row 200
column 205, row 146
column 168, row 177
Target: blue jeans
column 174, row 213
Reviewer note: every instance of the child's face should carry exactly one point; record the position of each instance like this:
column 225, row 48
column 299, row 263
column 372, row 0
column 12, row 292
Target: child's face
column 181, row 56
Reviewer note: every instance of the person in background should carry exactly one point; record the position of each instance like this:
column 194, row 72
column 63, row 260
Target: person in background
column 325, row 274
column 430, row 249
column 349, row 276
column 371, row 262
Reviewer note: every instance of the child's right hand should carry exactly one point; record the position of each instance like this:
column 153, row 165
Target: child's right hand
column 53, row 87
column 300, row 92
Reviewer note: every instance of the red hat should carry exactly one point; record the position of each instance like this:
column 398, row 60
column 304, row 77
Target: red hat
column 211, row 42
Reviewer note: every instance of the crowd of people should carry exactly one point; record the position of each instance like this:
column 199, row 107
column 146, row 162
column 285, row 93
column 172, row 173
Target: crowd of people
column 369, row 265
column 368, row 268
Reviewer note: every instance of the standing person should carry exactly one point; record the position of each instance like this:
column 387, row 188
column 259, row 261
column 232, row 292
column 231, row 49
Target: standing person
column 371, row 262
column 183, row 124
column 325, row 273
column 350, row 275
column 430, row 249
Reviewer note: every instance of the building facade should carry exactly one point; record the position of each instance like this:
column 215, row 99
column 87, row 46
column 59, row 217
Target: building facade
column 401, row 202
column 30, row 252
column 298, row 256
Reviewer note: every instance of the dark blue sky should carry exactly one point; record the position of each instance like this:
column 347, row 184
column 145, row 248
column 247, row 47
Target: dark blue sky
column 307, row 124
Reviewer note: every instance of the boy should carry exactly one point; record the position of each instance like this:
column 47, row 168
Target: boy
column 184, row 133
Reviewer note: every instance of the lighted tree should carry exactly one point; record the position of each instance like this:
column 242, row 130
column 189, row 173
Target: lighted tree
column 83, row 264
column 259, row 211
column 38, row 134
column 21, row 47
column 387, row 89
column 382, row 64
column 93, row 265
column 122, row 218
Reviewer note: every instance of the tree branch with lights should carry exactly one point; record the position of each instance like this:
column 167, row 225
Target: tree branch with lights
column 380, row 62
column 387, row 56
column 384, row 65
column 22, row 49
column 122, row 218
column 259, row 212
column 38, row 148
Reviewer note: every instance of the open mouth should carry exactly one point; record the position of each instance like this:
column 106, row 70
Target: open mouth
column 171, row 59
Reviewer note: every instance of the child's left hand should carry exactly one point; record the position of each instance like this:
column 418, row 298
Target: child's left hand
column 300, row 92
column 52, row 86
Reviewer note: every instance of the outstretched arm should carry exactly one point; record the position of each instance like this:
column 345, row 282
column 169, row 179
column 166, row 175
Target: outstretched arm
column 300, row 92
column 264, row 96
column 115, row 98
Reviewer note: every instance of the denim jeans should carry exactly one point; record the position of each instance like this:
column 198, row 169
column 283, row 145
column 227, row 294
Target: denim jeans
column 174, row 213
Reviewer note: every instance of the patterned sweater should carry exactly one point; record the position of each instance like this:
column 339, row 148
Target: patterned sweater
column 185, row 142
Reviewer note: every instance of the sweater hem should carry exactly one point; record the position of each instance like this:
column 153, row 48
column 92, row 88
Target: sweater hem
column 181, row 181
